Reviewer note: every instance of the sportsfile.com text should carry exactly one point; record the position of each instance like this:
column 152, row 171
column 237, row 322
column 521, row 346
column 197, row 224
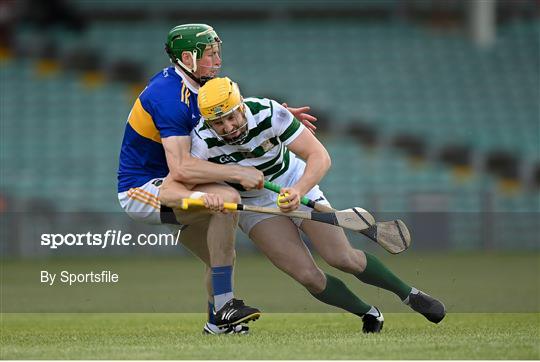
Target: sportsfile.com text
column 108, row 239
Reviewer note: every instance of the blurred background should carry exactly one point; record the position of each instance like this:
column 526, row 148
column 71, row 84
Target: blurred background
column 429, row 109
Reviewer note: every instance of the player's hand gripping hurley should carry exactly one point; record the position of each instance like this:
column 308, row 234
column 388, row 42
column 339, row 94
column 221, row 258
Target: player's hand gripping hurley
column 355, row 219
column 391, row 235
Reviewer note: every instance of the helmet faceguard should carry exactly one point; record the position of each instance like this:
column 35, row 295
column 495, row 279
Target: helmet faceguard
column 242, row 128
column 195, row 39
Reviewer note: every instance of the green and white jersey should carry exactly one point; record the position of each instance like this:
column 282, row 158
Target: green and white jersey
column 271, row 128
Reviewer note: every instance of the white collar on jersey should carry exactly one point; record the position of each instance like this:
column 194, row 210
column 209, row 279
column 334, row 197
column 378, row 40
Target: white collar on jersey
column 186, row 81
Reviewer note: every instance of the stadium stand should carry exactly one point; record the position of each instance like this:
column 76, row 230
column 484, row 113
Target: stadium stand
column 395, row 77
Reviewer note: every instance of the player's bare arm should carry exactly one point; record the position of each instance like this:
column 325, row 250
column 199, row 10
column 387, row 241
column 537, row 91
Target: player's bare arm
column 318, row 162
column 171, row 191
column 192, row 171
column 152, row 150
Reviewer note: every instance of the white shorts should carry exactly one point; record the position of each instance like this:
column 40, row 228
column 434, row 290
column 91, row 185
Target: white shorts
column 142, row 204
column 249, row 219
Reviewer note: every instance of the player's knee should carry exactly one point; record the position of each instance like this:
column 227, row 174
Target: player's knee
column 311, row 278
column 231, row 195
column 346, row 261
column 227, row 219
column 228, row 193
column 226, row 249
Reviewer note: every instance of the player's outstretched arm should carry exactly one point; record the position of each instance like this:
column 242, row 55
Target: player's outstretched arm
column 193, row 171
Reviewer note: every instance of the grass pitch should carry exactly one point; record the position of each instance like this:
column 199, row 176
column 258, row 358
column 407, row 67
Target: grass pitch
column 465, row 282
column 492, row 299
column 274, row 336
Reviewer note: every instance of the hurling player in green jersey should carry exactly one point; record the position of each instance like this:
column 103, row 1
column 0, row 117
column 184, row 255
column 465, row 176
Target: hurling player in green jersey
column 261, row 133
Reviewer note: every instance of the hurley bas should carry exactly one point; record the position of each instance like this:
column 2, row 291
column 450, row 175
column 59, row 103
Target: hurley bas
column 102, row 277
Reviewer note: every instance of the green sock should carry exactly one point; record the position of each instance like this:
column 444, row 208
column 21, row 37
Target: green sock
column 380, row 276
column 337, row 294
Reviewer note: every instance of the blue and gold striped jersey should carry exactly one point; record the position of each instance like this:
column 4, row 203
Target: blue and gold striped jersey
column 167, row 107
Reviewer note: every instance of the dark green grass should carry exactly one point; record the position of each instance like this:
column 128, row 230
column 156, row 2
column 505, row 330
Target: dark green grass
column 481, row 291
column 466, row 282
column 274, row 336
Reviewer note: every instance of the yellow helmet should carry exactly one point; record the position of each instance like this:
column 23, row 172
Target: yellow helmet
column 218, row 98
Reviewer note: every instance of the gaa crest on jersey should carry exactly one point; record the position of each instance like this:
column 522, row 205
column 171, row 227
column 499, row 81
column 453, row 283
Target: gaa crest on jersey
column 227, row 159
column 267, row 145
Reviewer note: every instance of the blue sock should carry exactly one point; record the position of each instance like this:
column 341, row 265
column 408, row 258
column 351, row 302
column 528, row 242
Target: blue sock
column 222, row 285
column 211, row 318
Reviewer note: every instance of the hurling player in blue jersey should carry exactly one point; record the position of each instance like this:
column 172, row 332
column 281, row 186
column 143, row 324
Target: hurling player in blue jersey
column 155, row 155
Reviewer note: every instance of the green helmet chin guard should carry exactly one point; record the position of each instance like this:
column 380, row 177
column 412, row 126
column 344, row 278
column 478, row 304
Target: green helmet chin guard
column 191, row 38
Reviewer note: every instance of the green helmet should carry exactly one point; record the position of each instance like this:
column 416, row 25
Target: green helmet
column 191, row 38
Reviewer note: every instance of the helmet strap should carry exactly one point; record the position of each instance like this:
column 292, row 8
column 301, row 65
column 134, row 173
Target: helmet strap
column 194, row 57
column 189, row 72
